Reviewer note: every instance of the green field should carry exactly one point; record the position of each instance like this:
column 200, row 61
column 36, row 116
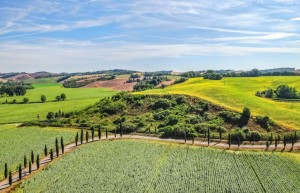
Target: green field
column 16, row 142
column 237, row 93
column 148, row 166
column 77, row 98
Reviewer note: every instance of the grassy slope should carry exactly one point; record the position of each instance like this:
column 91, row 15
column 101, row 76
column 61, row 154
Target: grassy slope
column 144, row 166
column 77, row 98
column 238, row 93
column 17, row 142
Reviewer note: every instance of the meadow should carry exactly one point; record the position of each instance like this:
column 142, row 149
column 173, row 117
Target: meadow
column 77, row 99
column 149, row 166
column 237, row 93
column 15, row 142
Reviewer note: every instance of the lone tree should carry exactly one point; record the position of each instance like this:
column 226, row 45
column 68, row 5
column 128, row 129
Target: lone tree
column 43, row 98
column 25, row 161
column 56, row 147
column 51, row 154
column 46, row 150
column 62, row 145
column 20, row 172
column 32, row 157
column 25, row 100
column 81, row 136
column 87, row 136
column 63, row 96
column 57, row 98
column 38, row 161
column 5, row 170
column 29, row 167
column 245, row 116
column 76, row 139
column 10, row 181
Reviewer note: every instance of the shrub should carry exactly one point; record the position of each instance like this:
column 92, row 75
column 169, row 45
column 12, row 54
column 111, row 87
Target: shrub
column 161, row 104
column 160, row 116
column 230, row 117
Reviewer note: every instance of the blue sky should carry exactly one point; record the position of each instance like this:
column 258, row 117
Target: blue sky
column 148, row 35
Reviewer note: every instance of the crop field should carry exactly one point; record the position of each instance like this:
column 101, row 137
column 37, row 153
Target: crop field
column 77, row 98
column 149, row 166
column 16, row 142
column 237, row 93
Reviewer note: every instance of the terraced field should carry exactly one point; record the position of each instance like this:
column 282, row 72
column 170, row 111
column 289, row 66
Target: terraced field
column 16, row 142
column 237, row 93
column 148, row 166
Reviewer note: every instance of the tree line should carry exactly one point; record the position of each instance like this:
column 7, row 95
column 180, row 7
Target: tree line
column 11, row 88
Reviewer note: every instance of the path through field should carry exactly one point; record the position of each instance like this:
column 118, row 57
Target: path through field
column 4, row 185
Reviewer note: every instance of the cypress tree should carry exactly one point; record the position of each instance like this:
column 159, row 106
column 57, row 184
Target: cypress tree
column 276, row 143
column 81, row 136
column 99, row 132
column 155, row 129
column 76, row 139
column 267, row 144
column 10, row 181
column 238, row 141
column 121, row 134
column 295, row 136
column 208, row 136
column 193, row 140
column 185, row 136
column 38, row 161
column 106, row 133
column 51, row 154
column 56, row 147
column 62, row 145
column 115, row 132
column 29, row 167
column 292, row 142
column 271, row 138
column 32, row 157
column 46, row 150
column 87, row 136
column 5, row 170
column 25, row 161
column 20, row 172
column 220, row 134
column 284, row 141
column 229, row 140
column 93, row 133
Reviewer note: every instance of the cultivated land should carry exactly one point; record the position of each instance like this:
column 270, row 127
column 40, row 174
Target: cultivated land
column 77, row 99
column 15, row 142
column 237, row 93
column 146, row 166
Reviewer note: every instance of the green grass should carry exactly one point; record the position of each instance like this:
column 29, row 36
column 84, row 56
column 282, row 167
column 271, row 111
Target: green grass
column 16, row 142
column 77, row 98
column 237, row 93
column 145, row 166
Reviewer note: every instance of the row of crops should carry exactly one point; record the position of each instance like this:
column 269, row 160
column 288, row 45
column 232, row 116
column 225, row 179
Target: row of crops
column 146, row 166
column 16, row 142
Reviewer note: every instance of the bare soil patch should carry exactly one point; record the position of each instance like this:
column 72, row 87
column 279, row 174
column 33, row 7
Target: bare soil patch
column 115, row 84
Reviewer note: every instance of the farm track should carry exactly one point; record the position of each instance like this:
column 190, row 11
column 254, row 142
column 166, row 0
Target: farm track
column 4, row 185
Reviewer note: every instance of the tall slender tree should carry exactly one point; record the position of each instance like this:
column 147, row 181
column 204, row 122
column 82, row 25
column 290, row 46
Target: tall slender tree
column 229, row 140
column 32, row 157
column 5, row 170
column 99, row 132
column 208, row 136
column 51, row 154
column 115, row 132
column 276, row 142
column 38, row 161
column 62, row 145
column 295, row 137
column 267, row 144
column 106, row 133
column 184, row 136
column 25, row 161
column 238, row 141
column 29, row 170
column 93, row 133
column 56, row 147
column 20, row 172
column 76, row 139
column 81, row 136
column 284, row 141
column 10, row 181
column 87, row 136
column 45, row 151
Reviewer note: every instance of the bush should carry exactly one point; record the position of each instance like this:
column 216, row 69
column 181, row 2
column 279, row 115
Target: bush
column 160, row 116
column 161, row 104
column 284, row 91
column 253, row 136
column 230, row 117
column 112, row 108
column 172, row 120
column 25, row 100
column 265, row 122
